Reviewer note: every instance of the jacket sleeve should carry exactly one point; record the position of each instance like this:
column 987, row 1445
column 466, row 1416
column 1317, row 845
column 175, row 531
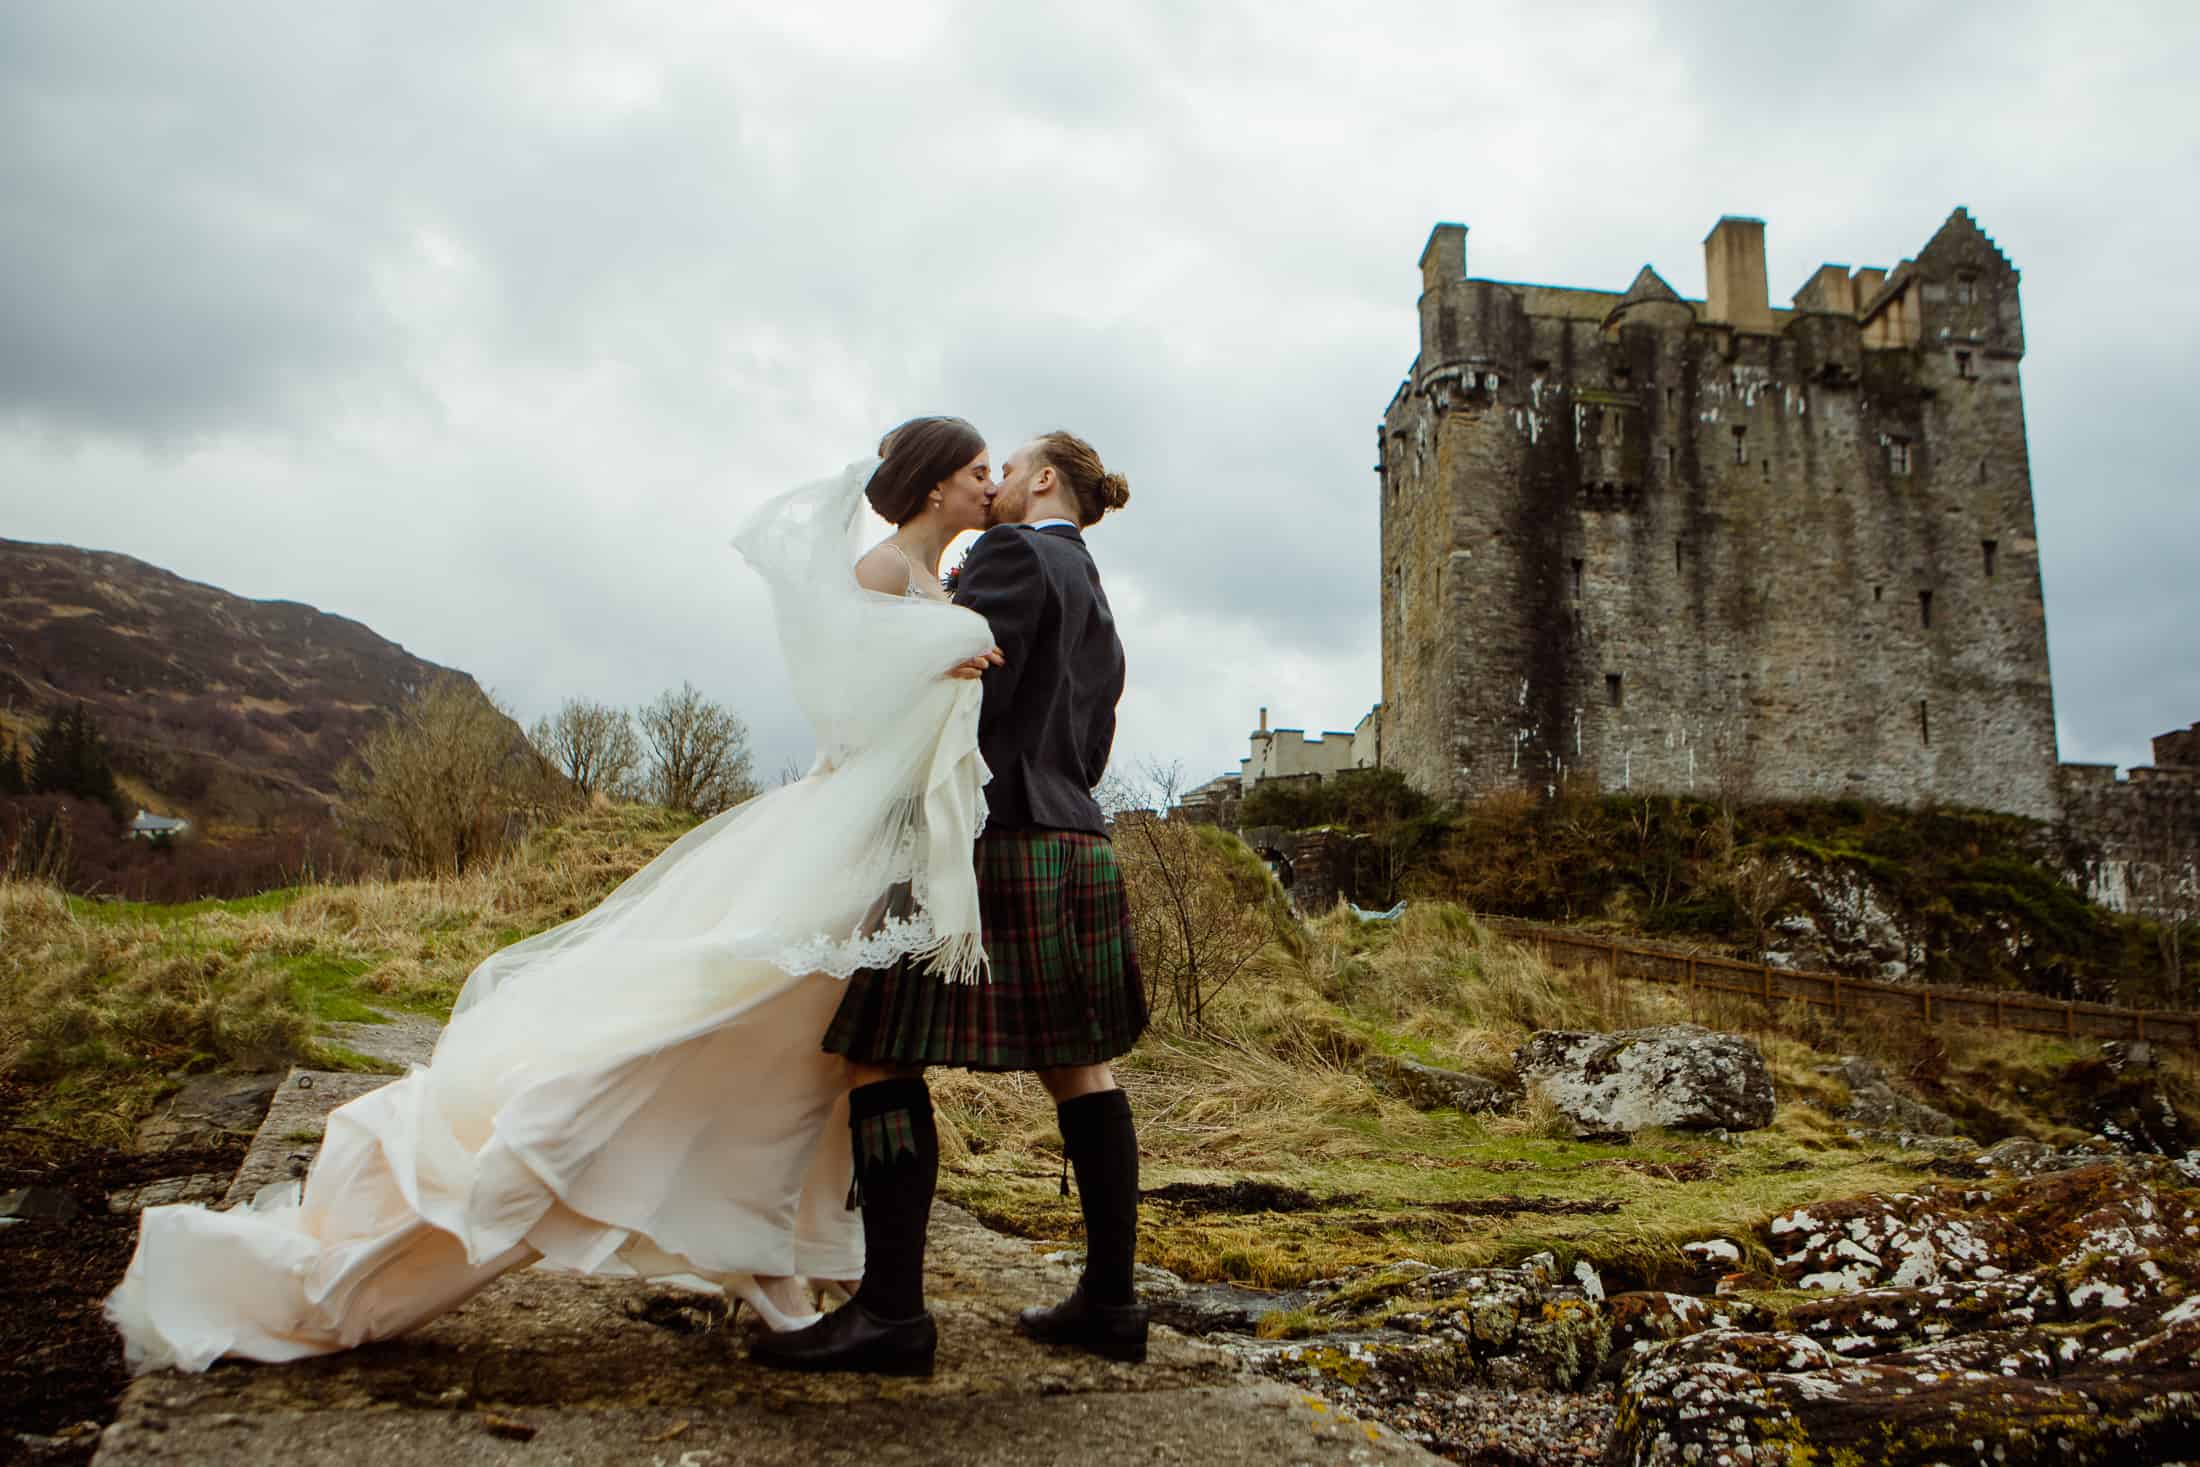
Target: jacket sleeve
column 1003, row 582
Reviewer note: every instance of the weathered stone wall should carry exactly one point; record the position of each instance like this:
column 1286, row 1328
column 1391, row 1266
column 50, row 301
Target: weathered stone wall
column 1627, row 542
column 2178, row 749
column 2133, row 845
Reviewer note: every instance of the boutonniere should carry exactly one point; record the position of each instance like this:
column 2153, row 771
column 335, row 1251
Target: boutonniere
column 953, row 578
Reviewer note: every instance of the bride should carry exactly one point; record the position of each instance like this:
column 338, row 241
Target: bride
column 641, row 1091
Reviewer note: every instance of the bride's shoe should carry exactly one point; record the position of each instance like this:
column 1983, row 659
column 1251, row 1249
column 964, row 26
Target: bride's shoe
column 778, row 1317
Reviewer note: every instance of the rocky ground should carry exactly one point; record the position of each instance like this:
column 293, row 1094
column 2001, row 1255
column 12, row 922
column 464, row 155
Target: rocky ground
column 544, row 1368
column 2047, row 1313
column 2036, row 1305
column 60, row 1369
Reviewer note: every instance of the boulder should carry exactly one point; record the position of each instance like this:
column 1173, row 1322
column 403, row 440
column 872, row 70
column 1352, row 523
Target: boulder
column 1678, row 1075
column 1876, row 1105
column 1425, row 1087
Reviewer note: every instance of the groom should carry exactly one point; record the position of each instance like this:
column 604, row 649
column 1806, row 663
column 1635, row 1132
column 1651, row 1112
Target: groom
column 1064, row 996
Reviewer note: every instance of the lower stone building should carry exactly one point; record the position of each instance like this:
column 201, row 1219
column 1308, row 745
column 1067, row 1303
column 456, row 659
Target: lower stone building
column 2133, row 844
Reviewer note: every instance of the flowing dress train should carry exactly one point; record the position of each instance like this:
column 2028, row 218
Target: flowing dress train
column 641, row 1091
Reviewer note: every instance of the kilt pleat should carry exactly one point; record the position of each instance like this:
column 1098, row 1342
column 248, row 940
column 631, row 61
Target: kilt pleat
column 1065, row 987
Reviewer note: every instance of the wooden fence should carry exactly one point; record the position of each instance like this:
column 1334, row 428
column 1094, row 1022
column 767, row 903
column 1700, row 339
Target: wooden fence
column 1858, row 998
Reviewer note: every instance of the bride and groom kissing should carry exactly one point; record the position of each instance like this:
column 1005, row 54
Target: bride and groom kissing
column 715, row 1077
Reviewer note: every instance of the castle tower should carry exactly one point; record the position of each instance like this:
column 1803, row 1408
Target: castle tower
column 1715, row 546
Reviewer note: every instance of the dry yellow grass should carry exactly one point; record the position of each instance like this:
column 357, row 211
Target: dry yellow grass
column 104, row 1005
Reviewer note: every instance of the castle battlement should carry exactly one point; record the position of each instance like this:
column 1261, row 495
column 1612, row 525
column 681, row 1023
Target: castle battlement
column 1677, row 544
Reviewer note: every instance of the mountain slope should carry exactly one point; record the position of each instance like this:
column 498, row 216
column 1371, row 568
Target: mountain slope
column 224, row 707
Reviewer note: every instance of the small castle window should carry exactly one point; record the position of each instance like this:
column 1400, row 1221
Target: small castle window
column 1612, row 693
column 1925, row 608
column 1989, row 547
column 1966, row 290
column 1676, row 555
column 1963, row 364
column 1898, row 455
column 1878, row 592
column 1669, row 399
column 1577, row 580
column 1924, row 723
column 1741, row 445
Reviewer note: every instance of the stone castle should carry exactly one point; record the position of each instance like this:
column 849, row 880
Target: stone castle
column 1742, row 551
column 1678, row 545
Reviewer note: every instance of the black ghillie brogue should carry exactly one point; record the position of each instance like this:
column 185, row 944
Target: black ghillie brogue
column 1116, row 1331
column 852, row 1338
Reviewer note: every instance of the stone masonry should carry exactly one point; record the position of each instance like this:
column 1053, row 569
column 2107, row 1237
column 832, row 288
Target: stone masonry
column 1675, row 545
column 2133, row 844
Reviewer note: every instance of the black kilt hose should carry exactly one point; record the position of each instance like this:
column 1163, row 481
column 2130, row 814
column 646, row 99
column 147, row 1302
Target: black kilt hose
column 1064, row 988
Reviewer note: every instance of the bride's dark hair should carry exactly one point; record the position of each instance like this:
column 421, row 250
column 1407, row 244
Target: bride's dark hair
column 914, row 459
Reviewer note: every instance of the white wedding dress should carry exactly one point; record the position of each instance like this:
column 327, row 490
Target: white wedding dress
column 639, row 1092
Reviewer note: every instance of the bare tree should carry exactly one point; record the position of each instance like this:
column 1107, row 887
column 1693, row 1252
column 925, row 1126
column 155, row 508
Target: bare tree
column 1198, row 918
column 444, row 783
column 591, row 744
column 697, row 753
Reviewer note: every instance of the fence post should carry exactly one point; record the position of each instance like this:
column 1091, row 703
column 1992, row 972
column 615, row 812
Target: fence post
column 1837, row 999
column 1768, row 983
column 1997, row 1011
column 1927, row 995
column 2070, row 1021
column 2141, row 1021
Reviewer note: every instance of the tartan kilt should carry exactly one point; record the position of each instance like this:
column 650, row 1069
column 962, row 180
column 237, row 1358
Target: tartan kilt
column 1064, row 989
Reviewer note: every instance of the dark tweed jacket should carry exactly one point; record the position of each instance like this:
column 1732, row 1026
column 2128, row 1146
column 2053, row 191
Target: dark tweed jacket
column 1048, row 719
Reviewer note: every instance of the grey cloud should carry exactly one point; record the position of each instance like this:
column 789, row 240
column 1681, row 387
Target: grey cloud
column 532, row 300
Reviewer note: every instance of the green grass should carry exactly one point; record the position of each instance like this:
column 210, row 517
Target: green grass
column 328, row 988
column 172, row 913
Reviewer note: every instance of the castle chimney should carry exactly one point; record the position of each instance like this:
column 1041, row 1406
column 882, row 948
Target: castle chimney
column 1444, row 257
column 1264, row 720
column 1734, row 275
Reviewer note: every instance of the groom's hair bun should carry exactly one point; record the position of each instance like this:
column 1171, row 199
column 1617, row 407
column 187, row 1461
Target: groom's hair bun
column 914, row 460
column 1095, row 490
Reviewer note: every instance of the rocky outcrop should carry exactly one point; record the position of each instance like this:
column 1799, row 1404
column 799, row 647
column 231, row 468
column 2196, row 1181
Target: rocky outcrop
column 209, row 1110
column 1875, row 1105
column 1425, row 1087
column 2048, row 1319
column 1678, row 1075
column 2055, row 1322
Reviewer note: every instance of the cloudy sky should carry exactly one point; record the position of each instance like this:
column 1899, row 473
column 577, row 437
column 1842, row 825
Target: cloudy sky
column 483, row 323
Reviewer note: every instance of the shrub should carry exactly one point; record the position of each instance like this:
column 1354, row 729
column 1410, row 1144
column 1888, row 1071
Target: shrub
column 446, row 783
column 1202, row 908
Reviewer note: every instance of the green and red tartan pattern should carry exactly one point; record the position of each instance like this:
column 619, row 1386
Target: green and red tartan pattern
column 1064, row 989
column 882, row 1140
